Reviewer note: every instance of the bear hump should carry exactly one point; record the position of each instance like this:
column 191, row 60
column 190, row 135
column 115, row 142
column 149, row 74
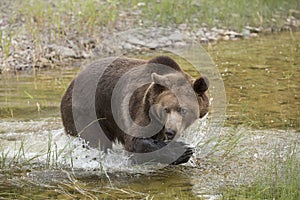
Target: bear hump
column 165, row 60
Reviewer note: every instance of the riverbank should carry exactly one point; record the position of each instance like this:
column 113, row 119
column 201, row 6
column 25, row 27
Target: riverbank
column 51, row 34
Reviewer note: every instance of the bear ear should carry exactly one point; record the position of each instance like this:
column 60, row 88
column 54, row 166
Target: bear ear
column 159, row 79
column 200, row 85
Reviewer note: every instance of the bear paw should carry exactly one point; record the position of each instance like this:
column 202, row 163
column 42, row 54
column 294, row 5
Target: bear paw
column 186, row 155
column 171, row 152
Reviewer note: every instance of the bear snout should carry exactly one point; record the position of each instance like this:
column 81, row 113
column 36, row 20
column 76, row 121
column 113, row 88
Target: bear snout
column 170, row 133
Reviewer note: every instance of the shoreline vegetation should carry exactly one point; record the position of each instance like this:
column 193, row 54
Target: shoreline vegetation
column 53, row 33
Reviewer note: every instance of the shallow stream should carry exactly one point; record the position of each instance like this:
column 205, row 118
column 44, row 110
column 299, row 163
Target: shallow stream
column 262, row 82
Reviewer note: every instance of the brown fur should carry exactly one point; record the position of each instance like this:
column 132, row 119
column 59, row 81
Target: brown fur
column 141, row 101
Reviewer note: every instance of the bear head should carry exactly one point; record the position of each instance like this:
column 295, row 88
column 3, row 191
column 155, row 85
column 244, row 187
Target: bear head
column 176, row 100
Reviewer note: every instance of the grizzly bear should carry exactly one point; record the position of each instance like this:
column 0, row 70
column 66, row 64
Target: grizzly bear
column 144, row 105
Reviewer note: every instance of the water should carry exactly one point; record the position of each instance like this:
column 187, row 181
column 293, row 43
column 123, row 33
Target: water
column 39, row 161
column 262, row 80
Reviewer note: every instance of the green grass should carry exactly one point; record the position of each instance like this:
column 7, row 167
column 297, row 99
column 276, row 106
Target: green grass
column 16, row 158
column 279, row 180
column 59, row 18
column 5, row 42
column 59, row 21
column 232, row 14
column 87, row 18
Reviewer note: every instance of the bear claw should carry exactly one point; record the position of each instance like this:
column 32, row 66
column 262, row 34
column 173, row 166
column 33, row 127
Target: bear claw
column 178, row 151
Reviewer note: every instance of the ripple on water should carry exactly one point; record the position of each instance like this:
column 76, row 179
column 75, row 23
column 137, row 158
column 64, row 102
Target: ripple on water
column 236, row 159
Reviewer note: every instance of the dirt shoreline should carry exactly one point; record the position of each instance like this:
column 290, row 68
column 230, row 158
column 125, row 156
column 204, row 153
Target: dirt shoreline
column 24, row 52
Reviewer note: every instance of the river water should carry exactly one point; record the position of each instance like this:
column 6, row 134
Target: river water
column 262, row 83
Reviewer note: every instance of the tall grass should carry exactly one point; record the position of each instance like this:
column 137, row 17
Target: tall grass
column 5, row 42
column 232, row 14
column 64, row 17
column 279, row 180
column 49, row 158
column 91, row 17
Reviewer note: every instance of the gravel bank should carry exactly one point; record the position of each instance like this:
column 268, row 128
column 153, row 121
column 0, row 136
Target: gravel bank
column 22, row 52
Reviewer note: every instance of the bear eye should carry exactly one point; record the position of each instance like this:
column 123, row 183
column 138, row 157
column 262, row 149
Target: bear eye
column 167, row 110
column 182, row 110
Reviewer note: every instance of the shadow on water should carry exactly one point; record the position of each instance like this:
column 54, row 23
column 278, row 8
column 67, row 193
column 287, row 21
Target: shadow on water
column 262, row 81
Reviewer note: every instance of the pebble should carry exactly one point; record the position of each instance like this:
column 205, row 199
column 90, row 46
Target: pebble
column 135, row 41
column 176, row 37
column 152, row 45
column 127, row 46
column 253, row 29
column 203, row 40
column 25, row 53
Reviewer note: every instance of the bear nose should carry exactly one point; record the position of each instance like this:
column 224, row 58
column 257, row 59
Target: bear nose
column 170, row 133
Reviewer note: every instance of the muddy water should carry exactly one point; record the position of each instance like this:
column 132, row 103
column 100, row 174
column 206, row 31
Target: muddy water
column 38, row 161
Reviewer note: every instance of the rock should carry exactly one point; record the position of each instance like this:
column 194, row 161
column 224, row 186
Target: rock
column 253, row 35
column 180, row 44
column 127, row 46
column 140, row 4
column 207, row 34
column 66, row 52
column 135, row 41
column 177, row 36
column 212, row 39
column 204, row 24
column 86, row 55
column 87, row 43
column 182, row 27
column 292, row 22
column 231, row 33
column 226, row 37
column 204, row 40
column 214, row 29
column 268, row 30
column 164, row 41
column 62, row 51
column 200, row 33
column 152, row 45
column 253, row 29
column 246, row 33
column 42, row 62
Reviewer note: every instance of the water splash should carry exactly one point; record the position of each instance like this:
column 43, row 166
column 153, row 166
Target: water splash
column 35, row 142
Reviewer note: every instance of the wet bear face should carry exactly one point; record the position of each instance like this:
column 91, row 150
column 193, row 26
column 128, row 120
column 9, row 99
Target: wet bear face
column 179, row 104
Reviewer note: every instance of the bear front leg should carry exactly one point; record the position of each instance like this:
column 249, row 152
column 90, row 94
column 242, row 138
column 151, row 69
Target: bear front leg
column 150, row 150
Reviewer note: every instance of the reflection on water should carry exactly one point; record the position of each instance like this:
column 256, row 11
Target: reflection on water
column 261, row 76
column 34, row 93
column 262, row 79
